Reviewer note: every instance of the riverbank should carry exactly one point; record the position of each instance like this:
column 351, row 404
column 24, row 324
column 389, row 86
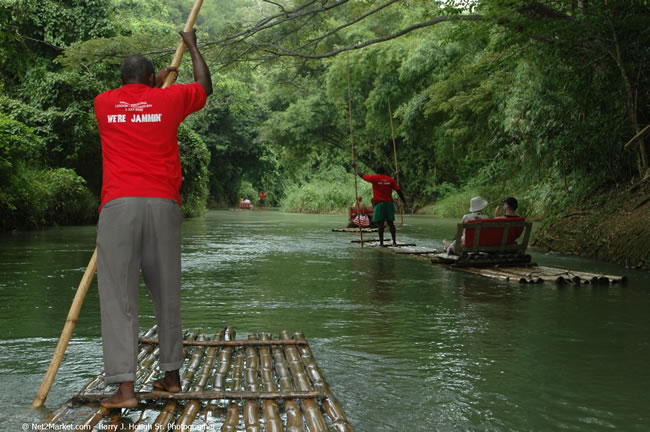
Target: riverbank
column 612, row 226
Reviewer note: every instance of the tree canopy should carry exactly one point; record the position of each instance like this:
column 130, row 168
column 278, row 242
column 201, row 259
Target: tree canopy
column 536, row 98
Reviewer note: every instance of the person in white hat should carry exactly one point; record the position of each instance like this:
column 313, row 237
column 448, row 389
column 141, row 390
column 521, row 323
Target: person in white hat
column 476, row 207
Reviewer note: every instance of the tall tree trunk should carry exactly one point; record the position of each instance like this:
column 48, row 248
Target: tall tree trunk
column 630, row 100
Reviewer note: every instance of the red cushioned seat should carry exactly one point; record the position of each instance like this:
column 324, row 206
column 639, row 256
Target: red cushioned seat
column 492, row 236
column 353, row 211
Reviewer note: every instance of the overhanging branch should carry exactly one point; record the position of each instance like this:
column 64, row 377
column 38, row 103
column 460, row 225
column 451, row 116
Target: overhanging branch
column 278, row 51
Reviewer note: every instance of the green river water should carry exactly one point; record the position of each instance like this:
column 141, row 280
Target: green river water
column 405, row 345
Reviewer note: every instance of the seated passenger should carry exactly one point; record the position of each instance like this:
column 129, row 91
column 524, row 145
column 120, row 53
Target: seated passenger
column 362, row 218
column 476, row 207
column 510, row 205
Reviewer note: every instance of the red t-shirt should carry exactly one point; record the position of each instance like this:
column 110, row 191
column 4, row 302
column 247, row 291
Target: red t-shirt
column 138, row 126
column 382, row 187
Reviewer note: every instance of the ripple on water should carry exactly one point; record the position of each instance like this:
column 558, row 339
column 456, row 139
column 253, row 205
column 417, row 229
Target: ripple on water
column 405, row 346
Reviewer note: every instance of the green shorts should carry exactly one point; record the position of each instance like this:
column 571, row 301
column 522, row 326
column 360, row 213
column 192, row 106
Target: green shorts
column 383, row 211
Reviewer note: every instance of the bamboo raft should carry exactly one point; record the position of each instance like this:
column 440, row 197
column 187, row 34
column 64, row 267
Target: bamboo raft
column 512, row 269
column 355, row 230
column 539, row 274
column 227, row 385
column 387, row 243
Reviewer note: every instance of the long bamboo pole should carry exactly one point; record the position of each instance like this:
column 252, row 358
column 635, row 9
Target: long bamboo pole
column 212, row 394
column 392, row 133
column 87, row 278
column 356, row 190
column 68, row 328
column 180, row 49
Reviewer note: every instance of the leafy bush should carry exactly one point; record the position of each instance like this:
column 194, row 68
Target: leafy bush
column 194, row 162
column 41, row 197
column 454, row 205
column 330, row 191
column 18, row 144
column 63, row 197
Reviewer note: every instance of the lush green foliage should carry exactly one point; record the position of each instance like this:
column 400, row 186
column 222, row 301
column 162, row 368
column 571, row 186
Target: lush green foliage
column 31, row 195
column 329, row 190
column 194, row 162
column 228, row 126
column 491, row 97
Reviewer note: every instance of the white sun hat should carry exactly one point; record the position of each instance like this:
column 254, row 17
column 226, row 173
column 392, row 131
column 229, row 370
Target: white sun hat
column 477, row 204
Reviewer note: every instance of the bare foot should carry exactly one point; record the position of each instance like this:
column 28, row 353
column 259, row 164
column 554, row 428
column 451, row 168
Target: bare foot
column 445, row 244
column 394, row 244
column 124, row 397
column 171, row 382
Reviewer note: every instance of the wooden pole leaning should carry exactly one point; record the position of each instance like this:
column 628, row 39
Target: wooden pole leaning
column 180, row 50
column 392, row 133
column 68, row 328
column 87, row 278
column 356, row 192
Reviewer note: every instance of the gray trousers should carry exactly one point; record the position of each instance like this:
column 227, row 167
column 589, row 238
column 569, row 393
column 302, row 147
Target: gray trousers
column 135, row 234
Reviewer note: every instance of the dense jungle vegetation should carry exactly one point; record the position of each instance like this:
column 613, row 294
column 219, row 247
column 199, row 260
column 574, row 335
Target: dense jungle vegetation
column 535, row 99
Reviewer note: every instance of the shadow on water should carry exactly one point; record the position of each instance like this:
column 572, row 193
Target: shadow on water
column 405, row 345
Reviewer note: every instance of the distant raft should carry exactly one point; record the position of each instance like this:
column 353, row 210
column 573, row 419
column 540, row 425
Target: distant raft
column 260, row 383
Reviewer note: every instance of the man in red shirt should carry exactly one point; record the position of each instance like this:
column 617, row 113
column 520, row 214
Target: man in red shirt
column 382, row 198
column 139, row 227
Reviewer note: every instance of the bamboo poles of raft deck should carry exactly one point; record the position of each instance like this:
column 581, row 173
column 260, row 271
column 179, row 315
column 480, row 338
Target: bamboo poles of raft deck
column 356, row 190
column 330, row 404
column 232, row 343
column 539, row 274
column 221, row 372
column 193, row 407
column 207, row 394
column 91, row 421
column 146, row 358
column 232, row 412
column 587, row 277
column 311, row 411
column 392, row 134
column 91, row 268
column 170, row 411
column 304, row 397
column 272, row 420
column 291, row 406
column 252, row 407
